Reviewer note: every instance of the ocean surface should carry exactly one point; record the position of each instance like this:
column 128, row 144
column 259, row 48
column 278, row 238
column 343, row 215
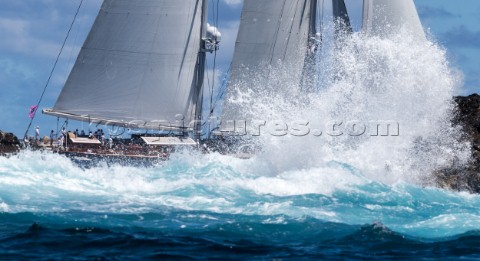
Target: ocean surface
column 213, row 207
column 333, row 196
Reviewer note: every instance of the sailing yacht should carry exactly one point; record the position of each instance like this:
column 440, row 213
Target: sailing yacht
column 143, row 63
column 141, row 67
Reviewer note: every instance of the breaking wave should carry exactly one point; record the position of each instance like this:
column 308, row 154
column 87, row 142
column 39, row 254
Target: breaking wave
column 318, row 195
column 34, row 182
column 361, row 86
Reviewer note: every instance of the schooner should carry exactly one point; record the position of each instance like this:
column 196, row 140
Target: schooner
column 142, row 65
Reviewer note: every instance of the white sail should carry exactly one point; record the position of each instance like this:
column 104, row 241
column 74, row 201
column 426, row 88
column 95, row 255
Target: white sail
column 271, row 32
column 384, row 17
column 139, row 65
column 340, row 16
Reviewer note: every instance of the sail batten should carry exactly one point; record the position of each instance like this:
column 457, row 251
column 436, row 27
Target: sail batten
column 138, row 63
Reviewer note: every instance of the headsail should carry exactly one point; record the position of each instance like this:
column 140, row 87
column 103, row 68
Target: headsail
column 340, row 16
column 271, row 32
column 138, row 65
column 383, row 17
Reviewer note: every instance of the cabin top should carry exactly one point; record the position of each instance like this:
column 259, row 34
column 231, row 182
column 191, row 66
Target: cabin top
column 82, row 140
column 168, row 141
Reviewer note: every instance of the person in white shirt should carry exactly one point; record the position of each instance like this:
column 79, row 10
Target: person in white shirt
column 37, row 135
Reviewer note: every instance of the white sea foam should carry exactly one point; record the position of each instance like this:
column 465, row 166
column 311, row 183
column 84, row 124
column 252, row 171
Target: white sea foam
column 335, row 192
column 352, row 180
column 368, row 79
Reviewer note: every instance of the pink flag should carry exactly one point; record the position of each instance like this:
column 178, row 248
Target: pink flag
column 33, row 109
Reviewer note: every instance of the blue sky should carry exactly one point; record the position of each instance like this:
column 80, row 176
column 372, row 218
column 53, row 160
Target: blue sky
column 32, row 32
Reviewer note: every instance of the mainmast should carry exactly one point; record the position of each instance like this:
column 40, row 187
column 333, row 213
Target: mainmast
column 197, row 124
column 313, row 17
column 313, row 44
column 209, row 43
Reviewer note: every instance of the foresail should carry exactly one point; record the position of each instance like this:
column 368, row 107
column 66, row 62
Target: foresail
column 272, row 33
column 384, row 17
column 341, row 18
column 138, row 65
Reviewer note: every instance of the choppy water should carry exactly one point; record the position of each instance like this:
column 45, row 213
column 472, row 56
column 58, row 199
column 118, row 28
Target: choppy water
column 213, row 206
column 310, row 197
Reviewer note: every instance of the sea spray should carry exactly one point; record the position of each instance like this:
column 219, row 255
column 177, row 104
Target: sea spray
column 299, row 192
column 363, row 82
column 344, row 179
column 223, row 187
column 304, row 196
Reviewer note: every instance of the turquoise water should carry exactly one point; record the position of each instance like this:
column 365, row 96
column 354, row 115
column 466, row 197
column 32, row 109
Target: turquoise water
column 213, row 206
column 312, row 197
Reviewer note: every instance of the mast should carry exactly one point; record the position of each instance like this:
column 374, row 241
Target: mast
column 200, row 75
column 210, row 39
column 313, row 17
column 314, row 41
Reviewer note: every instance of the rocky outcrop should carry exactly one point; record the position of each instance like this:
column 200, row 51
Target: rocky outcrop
column 8, row 143
column 465, row 178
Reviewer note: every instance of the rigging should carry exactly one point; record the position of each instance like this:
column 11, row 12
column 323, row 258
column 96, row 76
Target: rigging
column 53, row 69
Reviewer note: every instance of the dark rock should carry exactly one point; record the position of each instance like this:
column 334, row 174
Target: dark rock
column 465, row 178
column 8, row 143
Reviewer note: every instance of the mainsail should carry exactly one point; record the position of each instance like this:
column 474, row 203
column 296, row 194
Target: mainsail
column 271, row 32
column 140, row 66
column 384, row 17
